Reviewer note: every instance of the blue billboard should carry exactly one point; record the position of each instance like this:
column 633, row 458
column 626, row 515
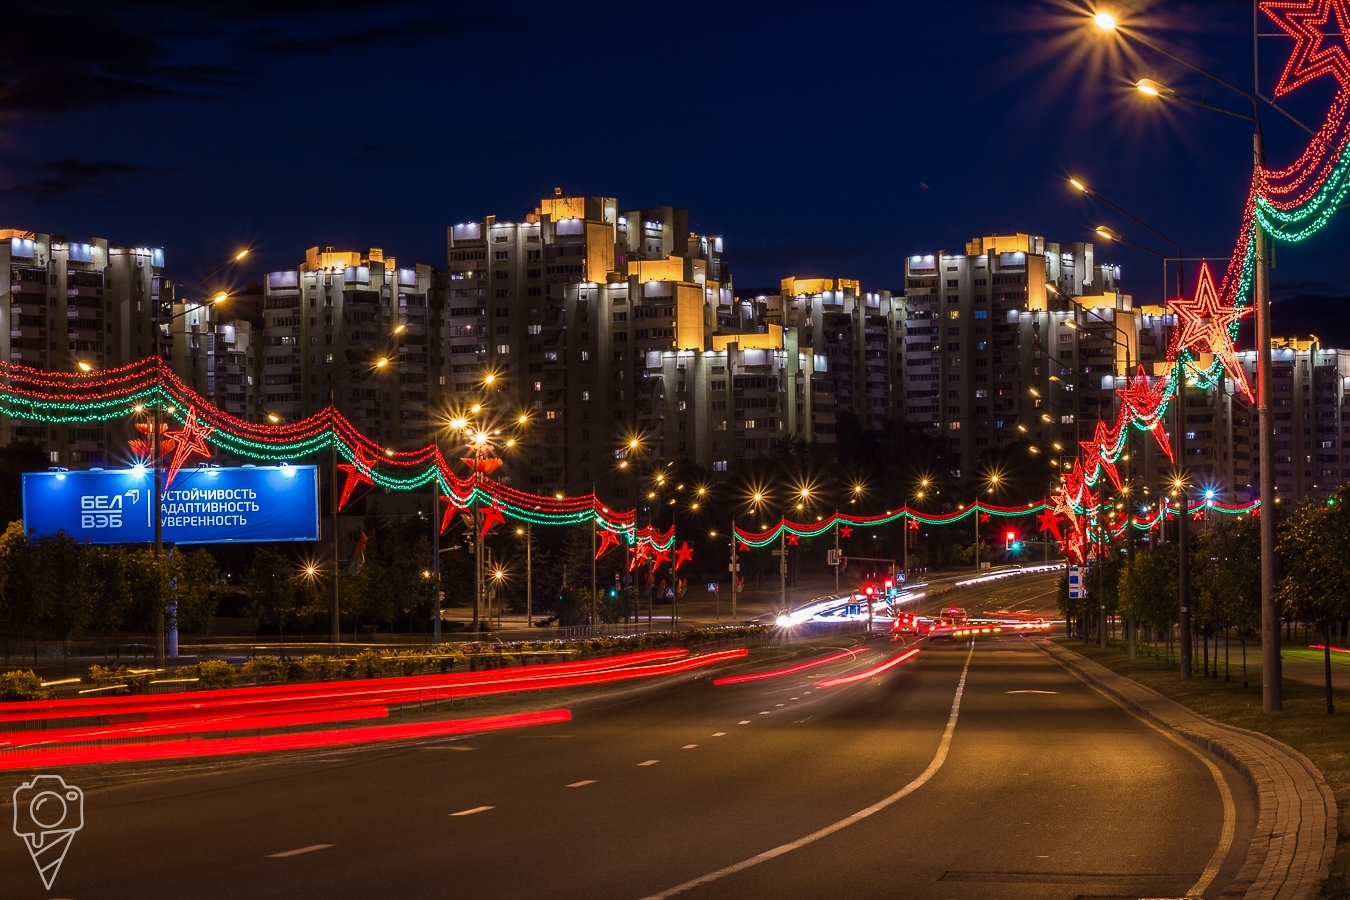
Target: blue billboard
column 202, row 506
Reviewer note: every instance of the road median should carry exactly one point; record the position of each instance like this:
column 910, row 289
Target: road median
column 1295, row 838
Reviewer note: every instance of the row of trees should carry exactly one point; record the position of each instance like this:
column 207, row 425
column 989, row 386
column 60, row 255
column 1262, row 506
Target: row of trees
column 1225, row 582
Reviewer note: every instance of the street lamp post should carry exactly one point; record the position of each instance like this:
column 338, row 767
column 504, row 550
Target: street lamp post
column 1271, row 674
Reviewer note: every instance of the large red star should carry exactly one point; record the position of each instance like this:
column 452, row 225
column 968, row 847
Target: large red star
column 845, row 531
column 640, row 554
column 358, row 472
column 984, row 517
column 189, row 442
column 1049, row 522
column 607, row 540
column 1097, row 451
column 792, row 539
column 1307, row 21
column 1205, row 324
column 448, row 518
column 1144, row 403
column 492, row 516
column 683, row 555
column 660, row 557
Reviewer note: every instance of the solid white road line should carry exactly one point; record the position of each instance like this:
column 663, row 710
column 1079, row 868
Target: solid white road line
column 469, row 812
column 1225, row 793
column 582, row 783
column 650, row 762
column 938, row 759
column 310, row 849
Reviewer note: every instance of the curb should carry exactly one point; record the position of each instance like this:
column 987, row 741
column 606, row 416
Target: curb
column 1295, row 836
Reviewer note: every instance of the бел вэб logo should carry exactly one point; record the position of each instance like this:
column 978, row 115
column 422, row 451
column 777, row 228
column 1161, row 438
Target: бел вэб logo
column 47, row 813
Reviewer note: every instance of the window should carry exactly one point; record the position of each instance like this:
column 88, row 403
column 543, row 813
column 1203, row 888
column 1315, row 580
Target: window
column 533, row 329
column 954, row 426
column 954, row 314
column 585, row 355
column 585, row 396
column 499, row 254
column 503, row 349
column 551, row 414
column 621, row 317
column 719, row 465
column 981, row 313
column 538, row 385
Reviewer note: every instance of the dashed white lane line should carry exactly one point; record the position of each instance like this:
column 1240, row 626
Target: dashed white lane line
column 469, row 812
column 780, row 704
column 582, row 783
column 794, row 698
column 650, row 762
column 763, row 712
column 310, row 849
column 719, row 734
column 689, row 746
column 743, row 722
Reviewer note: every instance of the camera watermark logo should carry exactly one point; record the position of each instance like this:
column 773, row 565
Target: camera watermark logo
column 47, row 813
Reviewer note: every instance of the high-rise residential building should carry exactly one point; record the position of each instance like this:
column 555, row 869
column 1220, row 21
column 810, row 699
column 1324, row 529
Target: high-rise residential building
column 353, row 326
column 558, row 316
column 1311, row 417
column 988, row 358
column 70, row 305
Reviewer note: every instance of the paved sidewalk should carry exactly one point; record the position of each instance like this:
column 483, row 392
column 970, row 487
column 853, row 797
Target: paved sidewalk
column 1295, row 835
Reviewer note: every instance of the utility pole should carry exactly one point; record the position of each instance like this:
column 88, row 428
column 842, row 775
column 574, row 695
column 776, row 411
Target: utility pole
column 735, row 570
column 836, row 551
column 782, row 571
column 1272, row 694
column 595, row 621
column 1183, row 563
column 158, row 491
column 436, row 560
column 976, row 506
column 529, row 578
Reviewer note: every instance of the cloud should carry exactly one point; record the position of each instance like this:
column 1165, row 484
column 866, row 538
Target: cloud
column 76, row 54
column 102, row 179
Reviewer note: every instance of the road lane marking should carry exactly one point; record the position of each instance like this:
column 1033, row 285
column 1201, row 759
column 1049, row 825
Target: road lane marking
column 719, row 734
column 310, row 849
column 764, row 712
column 779, row 704
column 689, row 746
column 938, row 759
column 469, row 812
column 650, row 762
column 1225, row 793
column 582, row 783
column 743, row 722
column 1031, row 692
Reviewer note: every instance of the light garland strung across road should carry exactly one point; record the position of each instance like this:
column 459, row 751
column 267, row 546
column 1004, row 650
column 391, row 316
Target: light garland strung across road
column 75, row 398
column 1291, row 205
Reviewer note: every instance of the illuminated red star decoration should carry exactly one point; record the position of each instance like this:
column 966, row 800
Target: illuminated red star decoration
column 1308, row 23
column 1199, row 514
column 1256, row 512
column 1097, row 451
column 683, row 555
column 845, row 531
column 984, row 517
column 640, row 554
column 1142, row 402
column 792, row 539
column 913, row 524
column 660, row 557
column 358, row 473
column 742, row 546
column 448, row 517
column 492, row 516
column 189, row 442
column 607, row 540
column 1049, row 522
column 1205, row 324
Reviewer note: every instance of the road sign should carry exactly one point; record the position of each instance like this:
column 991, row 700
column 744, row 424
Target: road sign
column 202, row 506
column 1077, row 586
column 733, row 567
column 831, row 557
column 713, row 587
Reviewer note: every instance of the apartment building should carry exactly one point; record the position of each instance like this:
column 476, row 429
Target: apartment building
column 350, row 325
column 555, row 317
column 70, row 305
column 1311, row 417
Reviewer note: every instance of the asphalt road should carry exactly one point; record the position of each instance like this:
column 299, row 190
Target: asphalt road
column 1036, row 787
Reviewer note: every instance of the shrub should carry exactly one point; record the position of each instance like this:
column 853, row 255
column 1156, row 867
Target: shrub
column 23, row 686
column 138, row 680
column 267, row 669
column 215, row 673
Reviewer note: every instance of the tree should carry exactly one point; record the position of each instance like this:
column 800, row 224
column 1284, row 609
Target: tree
column 1226, row 575
column 1314, row 548
column 50, row 574
column 194, row 574
column 271, row 588
column 1155, row 589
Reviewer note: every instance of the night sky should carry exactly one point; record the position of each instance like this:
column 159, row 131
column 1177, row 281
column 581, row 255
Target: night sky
column 819, row 138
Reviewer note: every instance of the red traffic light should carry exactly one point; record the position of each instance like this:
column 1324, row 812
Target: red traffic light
column 870, row 590
column 1012, row 535
column 889, row 584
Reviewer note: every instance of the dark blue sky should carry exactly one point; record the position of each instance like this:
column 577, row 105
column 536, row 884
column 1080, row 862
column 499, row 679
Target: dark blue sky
column 819, row 138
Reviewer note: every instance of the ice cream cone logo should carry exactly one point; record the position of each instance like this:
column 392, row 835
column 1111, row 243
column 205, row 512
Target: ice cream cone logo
column 47, row 813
